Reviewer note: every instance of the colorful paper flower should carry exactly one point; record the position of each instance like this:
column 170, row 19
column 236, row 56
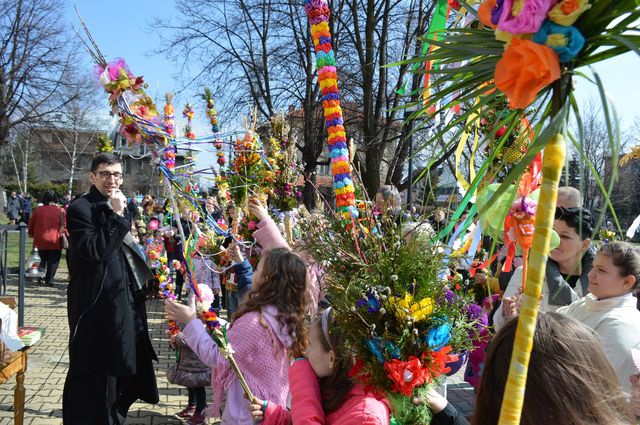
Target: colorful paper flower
column 376, row 348
column 523, row 16
column 565, row 40
column 568, row 11
column 407, row 307
column 438, row 337
column 484, row 12
column 406, row 375
column 524, row 69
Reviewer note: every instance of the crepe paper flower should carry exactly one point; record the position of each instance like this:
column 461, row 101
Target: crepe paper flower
column 370, row 302
column 318, row 13
column 376, row 347
column 454, row 4
column 406, row 375
column 407, row 307
column 523, row 16
column 565, row 40
column 524, row 69
column 393, row 350
column 484, row 12
column 439, row 360
column 438, row 337
column 567, row 12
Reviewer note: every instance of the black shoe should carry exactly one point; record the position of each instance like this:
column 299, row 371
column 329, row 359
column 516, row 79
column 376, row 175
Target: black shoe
column 49, row 284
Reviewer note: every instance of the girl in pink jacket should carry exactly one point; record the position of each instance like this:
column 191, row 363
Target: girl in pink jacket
column 266, row 329
column 321, row 390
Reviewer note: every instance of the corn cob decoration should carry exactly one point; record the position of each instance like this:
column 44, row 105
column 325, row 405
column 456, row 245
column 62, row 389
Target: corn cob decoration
column 318, row 13
column 552, row 165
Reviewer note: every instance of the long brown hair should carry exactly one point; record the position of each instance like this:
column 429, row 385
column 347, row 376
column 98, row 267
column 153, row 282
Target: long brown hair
column 285, row 287
column 335, row 387
column 569, row 381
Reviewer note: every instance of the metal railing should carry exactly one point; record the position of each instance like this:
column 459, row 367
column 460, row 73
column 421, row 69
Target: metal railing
column 5, row 266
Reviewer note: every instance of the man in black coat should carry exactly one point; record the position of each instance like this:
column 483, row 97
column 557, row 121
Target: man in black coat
column 110, row 353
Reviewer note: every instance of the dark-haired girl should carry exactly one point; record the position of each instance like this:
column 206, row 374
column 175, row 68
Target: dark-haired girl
column 321, row 390
column 568, row 266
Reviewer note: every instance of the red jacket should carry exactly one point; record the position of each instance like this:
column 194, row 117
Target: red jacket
column 45, row 227
column 358, row 408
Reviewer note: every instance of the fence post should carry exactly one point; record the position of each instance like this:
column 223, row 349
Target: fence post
column 21, row 271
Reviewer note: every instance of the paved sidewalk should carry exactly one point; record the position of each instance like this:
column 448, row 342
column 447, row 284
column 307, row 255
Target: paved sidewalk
column 48, row 362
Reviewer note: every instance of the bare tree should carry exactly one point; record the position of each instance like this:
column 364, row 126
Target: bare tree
column 36, row 55
column 594, row 148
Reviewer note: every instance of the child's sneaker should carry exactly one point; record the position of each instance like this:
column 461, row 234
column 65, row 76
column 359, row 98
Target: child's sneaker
column 187, row 412
column 197, row 419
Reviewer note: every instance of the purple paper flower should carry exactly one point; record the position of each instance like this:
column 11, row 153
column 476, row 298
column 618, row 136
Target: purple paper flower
column 497, row 12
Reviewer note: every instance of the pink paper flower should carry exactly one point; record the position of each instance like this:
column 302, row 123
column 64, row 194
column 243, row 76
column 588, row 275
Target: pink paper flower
column 524, row 16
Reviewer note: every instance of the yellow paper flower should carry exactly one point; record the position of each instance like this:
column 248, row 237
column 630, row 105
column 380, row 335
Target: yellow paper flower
column 417, row 310
column 568, row 11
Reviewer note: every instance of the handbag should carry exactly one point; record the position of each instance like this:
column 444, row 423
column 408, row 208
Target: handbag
column 63, row 235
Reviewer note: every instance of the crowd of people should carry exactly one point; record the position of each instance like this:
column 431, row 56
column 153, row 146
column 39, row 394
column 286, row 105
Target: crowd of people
column 585, row 363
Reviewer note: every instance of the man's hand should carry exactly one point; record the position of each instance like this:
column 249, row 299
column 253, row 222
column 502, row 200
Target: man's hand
column 118, row 201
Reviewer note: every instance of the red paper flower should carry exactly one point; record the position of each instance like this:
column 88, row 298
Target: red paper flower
column 437, row 366
column 406, row 375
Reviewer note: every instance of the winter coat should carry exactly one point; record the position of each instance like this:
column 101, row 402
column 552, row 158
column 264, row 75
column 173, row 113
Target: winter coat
column 188, row 370
column 13, row 208
column 243, row 278
column 260, row 342
column 617, row 323
column 45, row 227
column 556, row 292
column 107, row 321
column 358, row 408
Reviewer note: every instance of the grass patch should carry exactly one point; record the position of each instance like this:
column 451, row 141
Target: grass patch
column 13, row 248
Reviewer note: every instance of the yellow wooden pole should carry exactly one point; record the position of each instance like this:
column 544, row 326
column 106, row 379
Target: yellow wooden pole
column 513, row 399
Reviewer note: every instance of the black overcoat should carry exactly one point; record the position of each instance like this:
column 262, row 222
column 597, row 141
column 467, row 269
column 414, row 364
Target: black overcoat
column 108, row 329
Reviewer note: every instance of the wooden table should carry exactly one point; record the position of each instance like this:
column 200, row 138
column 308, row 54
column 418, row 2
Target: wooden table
column 16, row 363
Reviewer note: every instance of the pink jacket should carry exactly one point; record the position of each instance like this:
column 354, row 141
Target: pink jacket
column 260, row 344
column 269, row 237
column 358, row 408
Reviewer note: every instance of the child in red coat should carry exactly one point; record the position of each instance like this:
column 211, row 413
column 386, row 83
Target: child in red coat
column 321, row 390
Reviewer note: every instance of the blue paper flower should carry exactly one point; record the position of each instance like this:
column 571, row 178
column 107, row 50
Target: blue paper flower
column 566, row 41
column 371, row 303
column 393, row 350
column 438, row 337
column 376, row 347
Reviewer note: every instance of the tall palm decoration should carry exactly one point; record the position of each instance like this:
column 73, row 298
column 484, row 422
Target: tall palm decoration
column 526, row 52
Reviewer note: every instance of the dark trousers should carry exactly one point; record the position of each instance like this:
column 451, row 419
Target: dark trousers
column 198, row 398
column 49, row 260
column 96, row 399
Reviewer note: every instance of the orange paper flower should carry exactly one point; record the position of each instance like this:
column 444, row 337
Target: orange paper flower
column 484, row 12
column 525, row 68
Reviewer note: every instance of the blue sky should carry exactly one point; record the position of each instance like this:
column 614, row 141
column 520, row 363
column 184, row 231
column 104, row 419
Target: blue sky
column 122, row 29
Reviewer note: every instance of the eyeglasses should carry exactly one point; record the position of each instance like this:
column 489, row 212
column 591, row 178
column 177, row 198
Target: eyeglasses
column 107, row 175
